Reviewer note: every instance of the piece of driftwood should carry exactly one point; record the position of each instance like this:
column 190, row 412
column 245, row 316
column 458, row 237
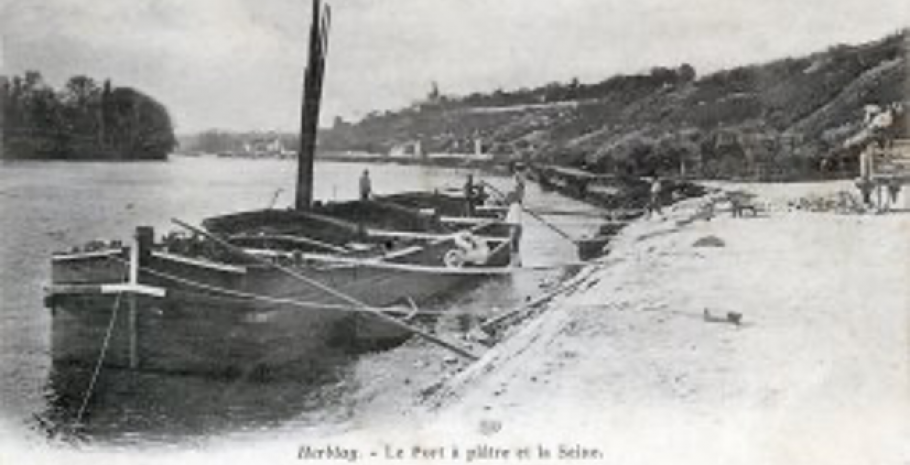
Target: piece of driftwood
column 529, row 307
column 734, row 318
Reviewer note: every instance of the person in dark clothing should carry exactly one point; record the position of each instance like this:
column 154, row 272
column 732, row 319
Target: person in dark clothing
column 894, row 189
column 366, row 186
column 480, row 195
column 469, row 196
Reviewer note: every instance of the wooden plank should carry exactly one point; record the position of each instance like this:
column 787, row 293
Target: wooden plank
column 464, row 219
column 426, row 236
column 297, row 239
column 140, row 289
column 200, row 263
column 100, row 289
column 84, row 255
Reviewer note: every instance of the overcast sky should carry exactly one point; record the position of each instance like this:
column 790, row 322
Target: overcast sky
column 238, row 64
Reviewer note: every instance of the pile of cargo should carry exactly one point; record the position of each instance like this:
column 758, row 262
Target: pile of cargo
column 843, row 202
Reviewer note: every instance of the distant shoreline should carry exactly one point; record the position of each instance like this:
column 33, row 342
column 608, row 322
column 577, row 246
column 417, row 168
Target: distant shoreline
column 439, row 162
column 81, row 160
column 433, row 160
column 487, row 165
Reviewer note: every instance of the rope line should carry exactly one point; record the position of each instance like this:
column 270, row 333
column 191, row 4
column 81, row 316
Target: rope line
column 537, row 217
column 97, row 370
column 337, row 293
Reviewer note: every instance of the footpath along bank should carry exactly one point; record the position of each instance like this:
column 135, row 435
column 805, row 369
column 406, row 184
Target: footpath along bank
column 641, row 364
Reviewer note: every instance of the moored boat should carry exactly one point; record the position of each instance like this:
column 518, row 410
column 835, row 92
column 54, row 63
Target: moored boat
column 198, row 308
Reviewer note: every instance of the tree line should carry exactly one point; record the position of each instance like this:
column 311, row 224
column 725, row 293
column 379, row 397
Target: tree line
column 785, row 119
column 575, row 90
column 84, row 120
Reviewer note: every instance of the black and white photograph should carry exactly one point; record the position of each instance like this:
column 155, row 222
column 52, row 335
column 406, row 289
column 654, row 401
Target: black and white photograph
column 455, row 232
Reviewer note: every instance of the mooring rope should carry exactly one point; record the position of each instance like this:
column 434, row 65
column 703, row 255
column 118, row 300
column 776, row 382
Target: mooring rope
column 537, row 217
column 100, row 362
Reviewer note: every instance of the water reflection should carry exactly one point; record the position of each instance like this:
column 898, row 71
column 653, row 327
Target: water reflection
column 128, row 405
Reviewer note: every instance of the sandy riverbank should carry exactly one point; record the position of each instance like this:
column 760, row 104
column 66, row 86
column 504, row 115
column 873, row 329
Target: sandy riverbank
column 817, row 372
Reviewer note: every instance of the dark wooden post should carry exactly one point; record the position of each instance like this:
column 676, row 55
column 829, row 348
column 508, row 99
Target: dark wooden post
column 134, row 331
column 145, row 238
column 141, row 254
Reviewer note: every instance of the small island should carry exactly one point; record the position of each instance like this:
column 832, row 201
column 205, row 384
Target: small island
column 81, row 121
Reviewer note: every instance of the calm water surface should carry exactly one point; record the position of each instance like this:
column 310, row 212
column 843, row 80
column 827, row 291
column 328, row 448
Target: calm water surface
column 51, row 206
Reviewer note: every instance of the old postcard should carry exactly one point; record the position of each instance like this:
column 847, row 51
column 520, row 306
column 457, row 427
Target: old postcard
column 441, row 232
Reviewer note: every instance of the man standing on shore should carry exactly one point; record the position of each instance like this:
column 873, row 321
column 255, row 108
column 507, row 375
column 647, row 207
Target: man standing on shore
column 519, row 188
column 654, row 201
column 894, row 190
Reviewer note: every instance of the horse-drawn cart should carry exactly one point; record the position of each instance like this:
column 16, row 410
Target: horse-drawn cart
column 883, row 173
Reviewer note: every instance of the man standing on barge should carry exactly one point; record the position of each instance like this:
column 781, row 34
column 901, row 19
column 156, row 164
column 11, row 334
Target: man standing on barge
column 366, row 186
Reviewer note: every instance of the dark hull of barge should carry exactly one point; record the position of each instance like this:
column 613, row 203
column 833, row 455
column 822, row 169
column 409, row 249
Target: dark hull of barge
column 223, row 319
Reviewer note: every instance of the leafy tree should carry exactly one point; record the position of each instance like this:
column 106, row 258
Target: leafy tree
column 82, row 121
column 686, row 73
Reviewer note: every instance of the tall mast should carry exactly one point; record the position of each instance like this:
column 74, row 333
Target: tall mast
column 312, row 97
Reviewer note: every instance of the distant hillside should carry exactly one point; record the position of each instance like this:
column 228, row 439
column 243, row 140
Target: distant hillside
column 81, row 121
column 777, row 120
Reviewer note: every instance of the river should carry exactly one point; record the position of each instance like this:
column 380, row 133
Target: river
column 51, row 206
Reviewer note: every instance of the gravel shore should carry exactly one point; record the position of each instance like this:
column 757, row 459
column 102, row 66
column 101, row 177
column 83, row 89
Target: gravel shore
column 641, row 364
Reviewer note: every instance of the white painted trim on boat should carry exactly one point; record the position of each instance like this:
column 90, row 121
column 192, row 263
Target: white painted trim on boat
column 292, row 238
column 133, row 289
column 408, row 267
column 467, row 219
column 199, row 263
column 109, row 288
column 266, row 252
column 427, row 236
column 84, row 255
